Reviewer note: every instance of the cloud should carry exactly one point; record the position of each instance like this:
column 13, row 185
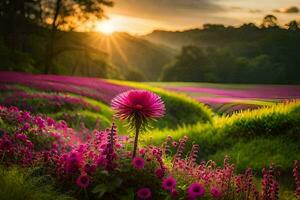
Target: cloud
column 292, row 9
column 166, row 8
column 255, row 11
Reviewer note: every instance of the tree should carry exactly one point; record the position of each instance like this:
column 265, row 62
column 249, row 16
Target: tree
column 293, row 26
column 270, row 21
column 67, row 15
column 191, row 65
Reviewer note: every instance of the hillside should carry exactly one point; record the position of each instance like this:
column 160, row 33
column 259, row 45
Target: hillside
column 119, row 56
column 133, row 54
column 245, row 54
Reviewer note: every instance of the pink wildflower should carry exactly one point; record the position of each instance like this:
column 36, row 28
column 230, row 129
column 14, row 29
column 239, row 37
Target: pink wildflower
column 169, row 183
column 21, row 136
column 138, row 162
column 143, row 103
column 195, row 190
column 83, row 181
column 138, row 106
column 144, row 193
column 159, row 173
column 215, row 192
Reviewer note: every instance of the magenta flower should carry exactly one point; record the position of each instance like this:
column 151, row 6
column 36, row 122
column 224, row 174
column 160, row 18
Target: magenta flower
column 144, row 193
column 21, row 136
column 83, row 181
column 138, row 162
column 159, row 173
column 169, row 183
column 138, row 107
column 138, row 103
column 195, row 190
column 215, row 192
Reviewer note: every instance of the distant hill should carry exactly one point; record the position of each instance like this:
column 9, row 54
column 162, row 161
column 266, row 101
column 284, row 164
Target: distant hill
column 120, row 56
column 133, row 55
column 245, row 54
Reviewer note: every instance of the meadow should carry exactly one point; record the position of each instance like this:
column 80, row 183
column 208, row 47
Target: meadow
column 62, row 132
column 229, row 98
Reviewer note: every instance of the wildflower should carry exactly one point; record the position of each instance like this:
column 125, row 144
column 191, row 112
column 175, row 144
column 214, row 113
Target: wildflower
column 159, row 173
column 83, row 181
column 138, row 163
column 195, row 190
column 89, row 169
column 215, row 192
column 21, row 136
column 174, row 193
column 169, row 183
column 138, row 106
column 174, row 144
column 144, row 193
column 50, row 121
column 142, row 151
column 100, row 161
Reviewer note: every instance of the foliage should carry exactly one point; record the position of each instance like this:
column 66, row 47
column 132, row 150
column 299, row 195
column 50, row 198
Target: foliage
column 101, row 167
column 243, row 132
column 17, row 183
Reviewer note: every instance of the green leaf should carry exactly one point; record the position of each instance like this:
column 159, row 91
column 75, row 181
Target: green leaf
column 100, row 190
column 129, row 196
column 115, row 183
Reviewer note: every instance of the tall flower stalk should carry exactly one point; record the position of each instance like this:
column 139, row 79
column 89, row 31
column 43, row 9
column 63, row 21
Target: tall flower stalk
column 138, row 107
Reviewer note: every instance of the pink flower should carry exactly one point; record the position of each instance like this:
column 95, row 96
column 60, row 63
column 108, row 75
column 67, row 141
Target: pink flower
column 215, row 192
column 144, row 193
column 83, row 181
column 21, row 136
column 138, row 162
column 141, row 103
column 142, row 151
column 101, row 161
column 174, row 193
column 159, row 173
column 195, row 190
column 138, row 106
column 174, row 144
column 169, row 183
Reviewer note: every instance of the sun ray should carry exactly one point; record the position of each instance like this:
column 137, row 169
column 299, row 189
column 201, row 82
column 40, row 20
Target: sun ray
column 119, row 49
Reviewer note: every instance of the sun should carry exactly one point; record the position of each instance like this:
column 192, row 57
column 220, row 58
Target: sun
column 106, row 27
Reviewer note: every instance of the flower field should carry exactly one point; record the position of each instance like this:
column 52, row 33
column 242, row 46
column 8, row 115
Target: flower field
column 228, row 98
column 85, row 138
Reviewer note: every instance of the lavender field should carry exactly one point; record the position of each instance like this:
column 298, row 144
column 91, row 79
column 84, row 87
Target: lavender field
column 229, row 98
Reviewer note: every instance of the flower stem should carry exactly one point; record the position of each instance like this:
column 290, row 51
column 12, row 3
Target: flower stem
column 137, row 131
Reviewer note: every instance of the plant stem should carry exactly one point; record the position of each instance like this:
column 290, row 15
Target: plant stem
column 137, row 131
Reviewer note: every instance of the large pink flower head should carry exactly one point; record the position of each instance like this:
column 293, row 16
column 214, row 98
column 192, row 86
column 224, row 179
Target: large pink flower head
column 138, row 105
column 83, row 181
column 144, row 193
column 195, row 190
column 169, row 183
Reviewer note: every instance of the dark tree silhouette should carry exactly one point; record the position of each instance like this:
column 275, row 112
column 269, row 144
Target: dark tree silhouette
column 293, row 26
column 270, row 21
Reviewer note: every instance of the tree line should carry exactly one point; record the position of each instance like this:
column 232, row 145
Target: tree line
column 245, row 54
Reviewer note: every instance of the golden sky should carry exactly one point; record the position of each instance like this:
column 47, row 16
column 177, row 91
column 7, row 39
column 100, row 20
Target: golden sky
column 143, row 16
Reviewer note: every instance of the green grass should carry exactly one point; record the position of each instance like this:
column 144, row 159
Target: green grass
column 252, row 138
column 20, row 184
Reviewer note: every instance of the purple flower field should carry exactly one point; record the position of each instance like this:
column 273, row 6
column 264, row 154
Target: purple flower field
column 91, row 87
column 229, row 98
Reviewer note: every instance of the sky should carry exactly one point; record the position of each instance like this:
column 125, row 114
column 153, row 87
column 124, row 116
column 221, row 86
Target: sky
column 144, row 16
